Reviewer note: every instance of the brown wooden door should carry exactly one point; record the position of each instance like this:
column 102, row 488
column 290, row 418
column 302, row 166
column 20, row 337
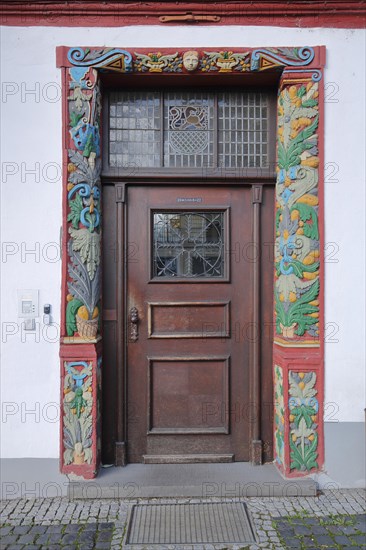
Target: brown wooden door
column 188, row 362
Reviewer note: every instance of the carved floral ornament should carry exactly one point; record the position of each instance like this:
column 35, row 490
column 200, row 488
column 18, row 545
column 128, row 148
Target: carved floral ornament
column 115, row 59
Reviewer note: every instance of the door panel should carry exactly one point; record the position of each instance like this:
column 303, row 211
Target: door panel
column 190, row 283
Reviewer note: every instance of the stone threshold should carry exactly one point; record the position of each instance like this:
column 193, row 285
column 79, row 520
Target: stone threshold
column 227, row 480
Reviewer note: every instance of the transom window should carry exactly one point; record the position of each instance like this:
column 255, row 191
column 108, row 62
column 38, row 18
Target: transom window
column 191, row 130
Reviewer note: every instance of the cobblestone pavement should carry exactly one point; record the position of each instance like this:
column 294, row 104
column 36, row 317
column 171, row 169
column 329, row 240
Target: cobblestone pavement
column 332, row 520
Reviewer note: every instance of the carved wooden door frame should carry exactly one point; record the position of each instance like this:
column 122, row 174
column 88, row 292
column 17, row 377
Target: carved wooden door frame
column 298, row 349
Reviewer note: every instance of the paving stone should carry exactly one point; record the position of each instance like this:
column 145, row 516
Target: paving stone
column 105, row 525
column 324, row 539
column 359, row 539
column 37, row 529
column 26, row 539
column 87, row 537
column 341, row 539
column 91, row 527
column 9, row 539
column 293, row 543
column 104, row 536
column 302, row 530
column 21, row 529
column 55, row 529
column 42, row 539
column 319, row 530
column 72, row 528
column 308, row 541
column 5, row 530
column 69, row 538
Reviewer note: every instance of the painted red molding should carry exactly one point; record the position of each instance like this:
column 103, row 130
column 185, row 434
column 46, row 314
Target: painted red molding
column 336, row 13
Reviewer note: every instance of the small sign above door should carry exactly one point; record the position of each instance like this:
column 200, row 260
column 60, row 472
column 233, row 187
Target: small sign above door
column 189, row 199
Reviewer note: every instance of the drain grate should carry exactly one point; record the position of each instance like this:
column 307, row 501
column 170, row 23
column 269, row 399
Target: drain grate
column 213, row 522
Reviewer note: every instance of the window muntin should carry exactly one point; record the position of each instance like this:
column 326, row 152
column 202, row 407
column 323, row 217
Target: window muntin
column 191, row 130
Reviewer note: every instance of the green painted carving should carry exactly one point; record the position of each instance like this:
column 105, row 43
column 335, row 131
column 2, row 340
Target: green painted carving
column 297, row 230
column 76, row 207
column 88, row 244
column 297, row 314
column 77, row 407
column 83, row 188
column 303, row 409
column 87, row 291
column 279, row 416
column 158, row 63
column 72, row 307
column 225, row 62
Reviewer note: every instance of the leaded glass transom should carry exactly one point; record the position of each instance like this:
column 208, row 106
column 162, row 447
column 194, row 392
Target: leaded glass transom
column 189, row 130
column 188, row 125
column 188, row 244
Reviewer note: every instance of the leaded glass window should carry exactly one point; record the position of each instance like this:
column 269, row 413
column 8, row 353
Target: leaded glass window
column 189, row 130
column 188, row 244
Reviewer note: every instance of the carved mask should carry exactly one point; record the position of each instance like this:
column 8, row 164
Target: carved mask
column 190, row 60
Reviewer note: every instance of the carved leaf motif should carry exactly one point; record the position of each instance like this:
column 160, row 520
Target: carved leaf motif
column 88, row 244
column 306, row 112
column 88, row 454
column 76, row 207
column 302, row 430
column 308, row 391
column 84, row 172
column 290, row 283
column 68, row 456
column 81, row 286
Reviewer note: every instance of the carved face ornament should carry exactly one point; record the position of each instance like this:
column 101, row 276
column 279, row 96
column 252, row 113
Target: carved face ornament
column 190, row 60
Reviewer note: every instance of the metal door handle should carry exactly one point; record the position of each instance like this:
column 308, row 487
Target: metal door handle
column 134, row 320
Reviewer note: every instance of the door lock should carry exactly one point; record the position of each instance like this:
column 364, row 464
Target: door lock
column 134, row 320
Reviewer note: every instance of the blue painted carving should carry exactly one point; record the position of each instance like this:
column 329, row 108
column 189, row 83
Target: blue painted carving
column 100, row 58
column 316, row 73
column 77, row 376
column 287, row 57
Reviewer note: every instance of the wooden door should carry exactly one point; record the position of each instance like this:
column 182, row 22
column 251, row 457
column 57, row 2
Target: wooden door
column 188, row 308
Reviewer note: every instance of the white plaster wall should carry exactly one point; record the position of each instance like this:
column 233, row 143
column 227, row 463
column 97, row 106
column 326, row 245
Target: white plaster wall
column 31, row 211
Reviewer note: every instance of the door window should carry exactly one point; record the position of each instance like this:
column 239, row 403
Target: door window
column 188, row 244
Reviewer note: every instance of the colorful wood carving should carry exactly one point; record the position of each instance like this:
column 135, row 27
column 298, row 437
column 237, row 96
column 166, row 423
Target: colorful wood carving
column 279, row 415
column 297, row 229
column 303, row 416
column 262, row 59
column 158, row 63
column 84, row 166
column 77, row 407
column 225, row 62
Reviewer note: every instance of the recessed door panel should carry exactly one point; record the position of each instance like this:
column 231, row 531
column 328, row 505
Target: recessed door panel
column 188, row 307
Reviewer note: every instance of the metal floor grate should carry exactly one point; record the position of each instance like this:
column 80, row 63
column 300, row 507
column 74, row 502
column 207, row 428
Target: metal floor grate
column 219, row 522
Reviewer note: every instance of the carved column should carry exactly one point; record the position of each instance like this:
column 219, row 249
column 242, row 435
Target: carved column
column 81, row 350
column 298, row 288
